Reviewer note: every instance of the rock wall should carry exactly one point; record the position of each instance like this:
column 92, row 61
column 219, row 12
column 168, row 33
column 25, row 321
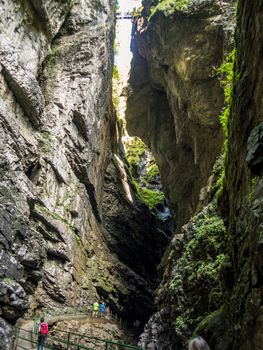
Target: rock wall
column 237, row 323
column 174, row 104
column 242, row 196
column 57, row 140
column 175, row 98
column 53, row 121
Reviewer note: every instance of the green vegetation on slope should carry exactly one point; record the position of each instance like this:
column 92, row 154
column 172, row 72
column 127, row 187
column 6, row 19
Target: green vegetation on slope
column 115, row 83
column 204, row 252
column 195, row 282
column 152, row 175
column 169, row 6
column 226, row 71
column 137, row 12
column 151, row 197
column 135, row 151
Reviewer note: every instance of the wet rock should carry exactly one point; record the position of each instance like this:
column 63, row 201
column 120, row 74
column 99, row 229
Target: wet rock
column 19, row 304
column 9, row 266
column 30, row 258
column 153, row 336
column 12, row 295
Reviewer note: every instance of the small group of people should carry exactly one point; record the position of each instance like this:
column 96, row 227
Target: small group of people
column 100, row 310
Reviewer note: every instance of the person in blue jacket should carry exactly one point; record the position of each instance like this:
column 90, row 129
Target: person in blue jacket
column 102, row 309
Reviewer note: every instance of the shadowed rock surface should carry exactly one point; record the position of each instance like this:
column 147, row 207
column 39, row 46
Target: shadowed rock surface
column 174, row 103
column 242, row 197
column 57, row 140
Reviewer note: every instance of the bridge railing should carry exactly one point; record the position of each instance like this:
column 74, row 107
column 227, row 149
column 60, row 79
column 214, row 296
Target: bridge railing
column 68, row 341
column 82, row 311
column 124, row 15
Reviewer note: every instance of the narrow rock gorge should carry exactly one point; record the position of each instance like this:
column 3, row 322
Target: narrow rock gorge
column 73, row 226
column 72, row 229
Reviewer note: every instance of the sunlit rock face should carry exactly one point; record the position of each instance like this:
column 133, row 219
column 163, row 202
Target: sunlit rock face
column 175, row 98
column 57, row 139
column 56, row 61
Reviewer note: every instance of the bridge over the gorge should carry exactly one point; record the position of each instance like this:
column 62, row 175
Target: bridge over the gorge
column 124, row 15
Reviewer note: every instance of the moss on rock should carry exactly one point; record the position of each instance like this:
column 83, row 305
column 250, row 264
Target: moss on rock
column 152, row 175
column 151, row 197
column 135, row 149
column 196, row 276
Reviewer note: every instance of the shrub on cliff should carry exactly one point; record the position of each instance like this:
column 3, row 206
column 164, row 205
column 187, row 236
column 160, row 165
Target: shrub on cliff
column 152, row 175
column 226, row 77
column 195, row 283
column 151, row 197
column 145, row 173
column 169, row 6
column 135, row 150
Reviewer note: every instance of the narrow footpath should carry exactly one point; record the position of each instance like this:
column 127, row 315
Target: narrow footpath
column 77, row 330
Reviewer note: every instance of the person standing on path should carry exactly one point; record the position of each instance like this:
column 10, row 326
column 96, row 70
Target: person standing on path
column 42, row 334
column 102, row 309
column 107, row 312
column 95, row 309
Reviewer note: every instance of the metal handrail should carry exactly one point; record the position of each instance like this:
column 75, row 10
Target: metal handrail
column 75, row 311
column 129, row 346
column 69, row 343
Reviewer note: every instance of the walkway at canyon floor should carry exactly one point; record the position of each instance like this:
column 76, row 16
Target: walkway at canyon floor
column 79, row 331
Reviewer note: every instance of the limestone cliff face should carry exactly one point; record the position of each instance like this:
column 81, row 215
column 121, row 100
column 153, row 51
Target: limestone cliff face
column 175, row 99
column 56, row 62
column 57, row 140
